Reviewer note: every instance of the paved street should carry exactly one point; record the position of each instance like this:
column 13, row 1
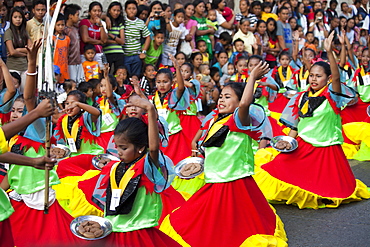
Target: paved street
column 348, row 225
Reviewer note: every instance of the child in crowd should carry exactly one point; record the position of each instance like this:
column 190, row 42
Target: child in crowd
column 310, row 39
column 180, row 58
column 61, row 48
column 68, row 86
column 239, row 51
column 123, row 82
column 202, row 47
column 91, row 67
column 227, row 76
column 212, row 23
column 96, row 88
column 147, row 82
column 221, row 62
column 175, row 36
column 223, row 44
column 363, row 37
column 240, row 67
column 153, row 54
column 87, row 89
column 72, row 15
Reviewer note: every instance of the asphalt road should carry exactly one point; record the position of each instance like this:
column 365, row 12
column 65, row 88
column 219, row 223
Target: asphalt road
column 347, row 225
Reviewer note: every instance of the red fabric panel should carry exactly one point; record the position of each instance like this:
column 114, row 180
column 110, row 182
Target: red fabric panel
column 171, row 199
column 277, row 130
column 190, row 126
column 32, row 227
column 224, row 214
column 324, row 171
column 75, row 166
column 279, row 103
column 6, row 237
column 103, row 139
column 178, row 147
column 355, row 113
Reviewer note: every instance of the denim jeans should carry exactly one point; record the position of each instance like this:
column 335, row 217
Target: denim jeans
column 133, row 65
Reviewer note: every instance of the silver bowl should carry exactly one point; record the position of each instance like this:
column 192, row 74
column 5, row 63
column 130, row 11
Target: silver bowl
column 290, row 93
column 104, row 223
column 188, row 161
column 289, row 139
column 65, row 148
column 96, row 159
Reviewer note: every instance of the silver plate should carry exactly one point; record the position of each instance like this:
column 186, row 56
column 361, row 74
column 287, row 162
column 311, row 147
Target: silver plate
column 188, row 161
column 96, row 159
column 289, row 139
column 290, row 93
column 65, row 148
column 104, row 223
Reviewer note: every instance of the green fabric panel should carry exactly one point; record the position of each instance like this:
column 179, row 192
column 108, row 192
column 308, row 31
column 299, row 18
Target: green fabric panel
column 232, row 161
column 6, row 208
column 145, row 213
column 26, row 179
column 323, row 129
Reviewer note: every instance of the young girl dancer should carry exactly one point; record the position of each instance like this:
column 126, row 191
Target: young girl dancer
column 317, row 174
column 170, row 103
column 242, row 217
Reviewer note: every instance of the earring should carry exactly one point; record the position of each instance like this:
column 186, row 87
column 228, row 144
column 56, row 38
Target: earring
column 140, row 152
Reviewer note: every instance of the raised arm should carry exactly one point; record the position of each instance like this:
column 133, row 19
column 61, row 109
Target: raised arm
column 295, row 45
column 108, row 85
column 44, row 109
column 10, row 92
column 95, row 113
column 343, row 51
column 333, row 65
column 180, row 80
column 31, row 77
column 247, row 98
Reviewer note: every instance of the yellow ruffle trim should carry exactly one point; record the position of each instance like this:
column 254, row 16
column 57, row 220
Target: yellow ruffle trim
column 350, row 150
column 279, row 239
column 276, row 190
column 72, row 199
column 187, row 187
column 359, row 133
column 264, row 155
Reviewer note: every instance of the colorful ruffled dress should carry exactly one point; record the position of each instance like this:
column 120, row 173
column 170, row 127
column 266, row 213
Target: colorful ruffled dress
column 230, row 204
column 83, row 132
column 316, row 174
column 42, row 229
column 300, row 77
column 190, row 124
column 170, row 108
column 110, row 118
column 283, row 77
column 357, row 112
column 6, row 208
column 130, row 196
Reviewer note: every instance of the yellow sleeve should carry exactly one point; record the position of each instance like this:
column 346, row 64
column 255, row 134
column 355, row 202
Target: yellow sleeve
column 3, row 142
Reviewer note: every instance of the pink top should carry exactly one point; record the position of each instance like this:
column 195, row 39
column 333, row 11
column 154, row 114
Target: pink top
column 93, row 32
column 191, row 23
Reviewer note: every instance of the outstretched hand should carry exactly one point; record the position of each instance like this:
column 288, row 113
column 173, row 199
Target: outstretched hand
column 137, row 88
column 328, row 41
column 33, row 50
column 260, row 70
column 45, row 108
column 140, row 102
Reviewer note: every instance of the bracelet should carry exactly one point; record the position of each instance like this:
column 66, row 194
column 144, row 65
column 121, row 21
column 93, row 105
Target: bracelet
column 115, row 36
column 194, row 150
column 34, row 73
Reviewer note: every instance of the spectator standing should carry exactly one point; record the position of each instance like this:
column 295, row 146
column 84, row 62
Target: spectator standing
column 284, row 31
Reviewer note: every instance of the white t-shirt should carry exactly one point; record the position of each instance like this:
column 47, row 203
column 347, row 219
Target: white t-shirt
column 174, row 37
column 220, row 20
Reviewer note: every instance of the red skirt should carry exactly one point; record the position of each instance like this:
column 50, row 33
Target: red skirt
column 148, row 237
column 178, row 147
column 75, row 166
column 190, row 125
column 224, row 214
column 355, row 113
column 279, row 103
column 324, row 171
column 104, row 138
column 32, row 227
column 6, row 236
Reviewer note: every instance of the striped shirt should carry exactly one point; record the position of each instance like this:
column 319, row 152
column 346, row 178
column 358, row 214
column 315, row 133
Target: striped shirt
column 114, row 48
column 134, row 31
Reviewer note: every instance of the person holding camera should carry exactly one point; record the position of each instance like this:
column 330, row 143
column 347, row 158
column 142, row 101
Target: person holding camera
column 319, row 28
column 157, row 19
